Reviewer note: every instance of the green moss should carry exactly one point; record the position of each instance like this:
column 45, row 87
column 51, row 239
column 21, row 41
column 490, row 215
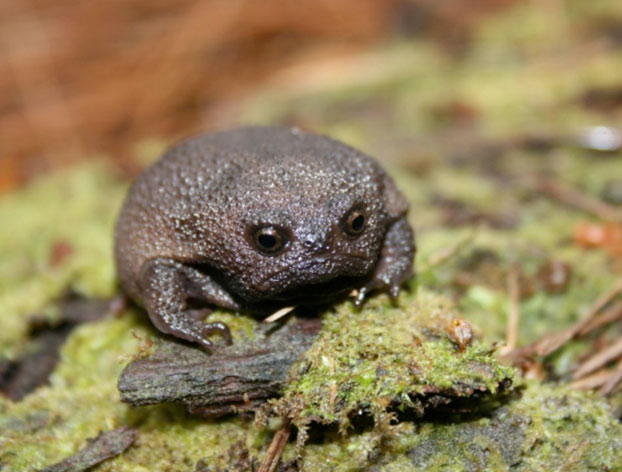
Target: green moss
column 83, row 399
column 365, row 359
column 362, row 359
column 385, row 356
column 542, row 429
column 569, row 430
column 522, row 75
column 75, row 208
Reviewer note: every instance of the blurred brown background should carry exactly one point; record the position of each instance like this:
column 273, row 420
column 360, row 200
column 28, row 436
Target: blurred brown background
column 79, row 77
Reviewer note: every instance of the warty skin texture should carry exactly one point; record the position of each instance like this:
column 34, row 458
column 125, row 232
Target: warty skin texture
column 187, row 236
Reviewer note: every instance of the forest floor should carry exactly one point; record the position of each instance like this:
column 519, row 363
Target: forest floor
column 503, row 353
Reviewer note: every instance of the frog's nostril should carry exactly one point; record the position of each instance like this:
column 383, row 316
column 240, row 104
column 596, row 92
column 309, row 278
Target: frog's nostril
column 316, row 244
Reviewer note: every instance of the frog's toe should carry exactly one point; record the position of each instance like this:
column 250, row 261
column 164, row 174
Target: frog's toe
column 205, row 343
column 359, row 298
column 218, row 327
column 394, row 291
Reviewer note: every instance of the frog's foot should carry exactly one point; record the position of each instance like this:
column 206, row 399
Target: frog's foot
column 392, row 287
column 218, row 327
column 395, row 264
column 167, row 286
column 359, row 297
column 187, row 326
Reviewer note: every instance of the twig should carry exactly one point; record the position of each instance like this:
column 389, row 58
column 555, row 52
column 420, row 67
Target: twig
column 552, row 342
column 448, row 252
column 597, row 379
column 600, row 359
column 575, row 198
column 275, row 450
column 279, row 314
column 511, row 336
column 106, row 445
column 613, row 381
column 601, row 303
column 612, row 314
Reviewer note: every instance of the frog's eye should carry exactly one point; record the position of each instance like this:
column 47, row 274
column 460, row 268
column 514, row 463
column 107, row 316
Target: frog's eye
column 354, row 222
column 270, row 239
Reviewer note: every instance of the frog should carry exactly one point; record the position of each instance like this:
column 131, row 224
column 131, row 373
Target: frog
column 254, row 219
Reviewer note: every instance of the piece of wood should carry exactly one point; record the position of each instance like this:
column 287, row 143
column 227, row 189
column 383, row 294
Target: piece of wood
column 550, row 343
column 600, row 359
column 105, row 446
column 275, row 450
column 230, row 379
column 511, row 337
column 20, row 376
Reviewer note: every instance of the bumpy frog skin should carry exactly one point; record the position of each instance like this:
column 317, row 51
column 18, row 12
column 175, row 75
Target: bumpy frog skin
column 256, row 219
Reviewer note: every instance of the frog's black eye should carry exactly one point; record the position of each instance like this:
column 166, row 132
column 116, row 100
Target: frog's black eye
column 270, row 239
column 354, row 222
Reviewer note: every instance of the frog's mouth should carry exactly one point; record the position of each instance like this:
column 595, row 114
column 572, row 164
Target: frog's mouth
column 320, row 293
column 325, row 279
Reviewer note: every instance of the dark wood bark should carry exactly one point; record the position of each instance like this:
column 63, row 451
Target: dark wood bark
column 231, row 378
column 23, row 375
column 105, row 446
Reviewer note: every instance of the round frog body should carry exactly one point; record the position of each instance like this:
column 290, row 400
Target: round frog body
column 256, row 219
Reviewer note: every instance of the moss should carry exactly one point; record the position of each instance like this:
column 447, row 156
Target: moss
column 542, row 429
column 76, row 209
column 369, row 359
column 82, row 399
column 569, row 430
column 385, row 356
column 521, row 76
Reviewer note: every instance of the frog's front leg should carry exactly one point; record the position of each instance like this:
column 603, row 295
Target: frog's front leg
column 166, row 286
column 395, row 263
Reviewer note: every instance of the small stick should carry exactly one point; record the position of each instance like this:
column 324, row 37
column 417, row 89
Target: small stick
column 447, row 253
column 552, row 342
column 106, row 445
column 597, row 379
column 603, row 301
column 275, row 450
column 599, row 359
column 511, row 336
column 613, row 381
column 279, row 314
column 574, row 197
column 612, row 314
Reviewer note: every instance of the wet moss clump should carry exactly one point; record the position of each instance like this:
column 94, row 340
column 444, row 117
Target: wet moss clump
column 539, row 429
column 384, row 359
